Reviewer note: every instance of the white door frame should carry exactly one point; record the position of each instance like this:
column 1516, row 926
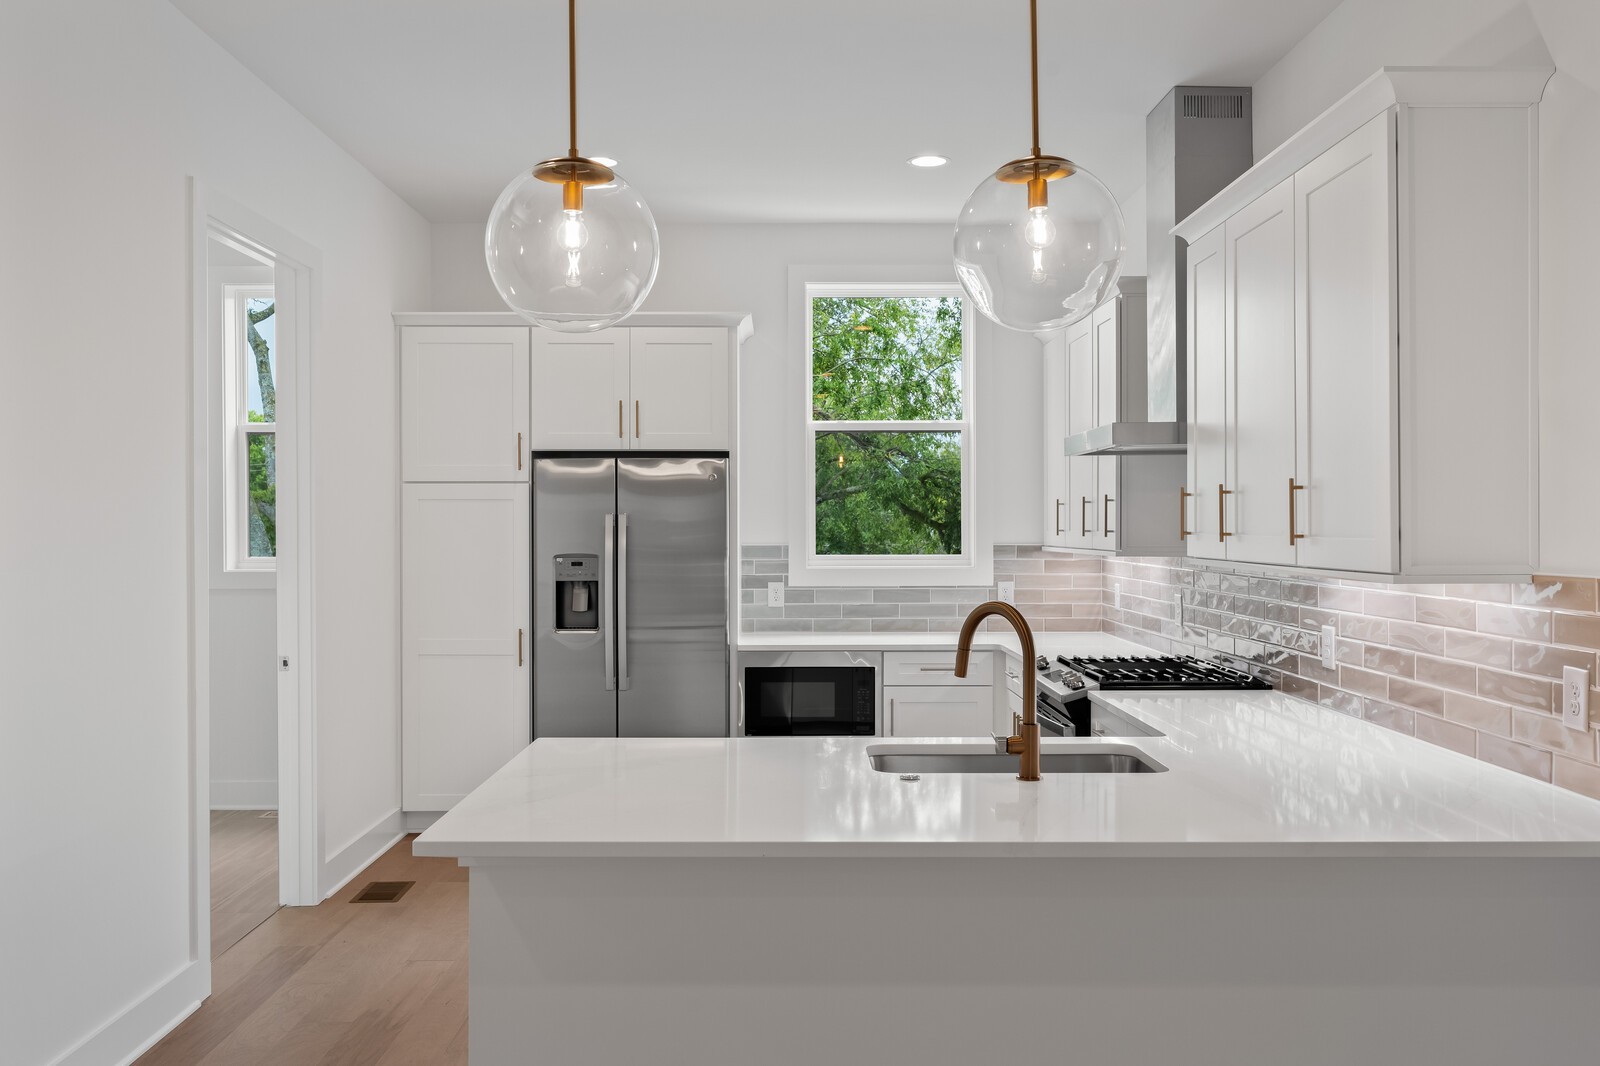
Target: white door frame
column 297, row 272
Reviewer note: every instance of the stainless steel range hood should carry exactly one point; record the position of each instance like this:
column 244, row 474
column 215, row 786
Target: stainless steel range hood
column 1197, row 140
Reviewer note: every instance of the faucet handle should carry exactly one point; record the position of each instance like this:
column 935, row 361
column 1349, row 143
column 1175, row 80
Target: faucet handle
column 1016, row 724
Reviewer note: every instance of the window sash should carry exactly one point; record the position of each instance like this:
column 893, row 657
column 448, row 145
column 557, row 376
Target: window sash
column 240, row 366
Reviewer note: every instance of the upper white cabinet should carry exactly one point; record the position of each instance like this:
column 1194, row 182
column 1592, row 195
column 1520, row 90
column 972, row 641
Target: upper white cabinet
column 1127, row 504
column 656, row 388
column 580, row 391
column 1363, row 303
column 464, row 403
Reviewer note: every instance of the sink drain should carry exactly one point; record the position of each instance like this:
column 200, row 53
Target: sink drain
column 911, row 777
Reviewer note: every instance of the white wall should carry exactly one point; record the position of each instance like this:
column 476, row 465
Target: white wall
column 106, row 108
column 1360, row 36
column 746, row 268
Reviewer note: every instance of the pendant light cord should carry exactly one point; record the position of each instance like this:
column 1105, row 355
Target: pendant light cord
column 572, row 82
column 1033, row 37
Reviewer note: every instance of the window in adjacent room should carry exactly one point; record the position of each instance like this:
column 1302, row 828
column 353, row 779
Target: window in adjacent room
column 250, row 381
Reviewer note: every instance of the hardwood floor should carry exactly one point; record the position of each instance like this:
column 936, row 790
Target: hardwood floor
column 244, row 874
column 375, row 984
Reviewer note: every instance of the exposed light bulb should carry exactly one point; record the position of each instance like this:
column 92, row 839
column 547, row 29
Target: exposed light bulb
column 573, row 278
column 1039, row 231
column 1038, row 275
column 571, row 233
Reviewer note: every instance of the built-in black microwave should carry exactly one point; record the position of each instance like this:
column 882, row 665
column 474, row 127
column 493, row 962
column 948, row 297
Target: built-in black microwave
column 809, row 694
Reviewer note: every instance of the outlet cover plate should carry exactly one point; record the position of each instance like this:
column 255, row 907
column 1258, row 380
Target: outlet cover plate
column 1575, row 698
column 1008, row 591
column 774, row 593
column 1330, row 642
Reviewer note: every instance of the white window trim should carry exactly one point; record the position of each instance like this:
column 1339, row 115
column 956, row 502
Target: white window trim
column 975, row 566
column 237, row 432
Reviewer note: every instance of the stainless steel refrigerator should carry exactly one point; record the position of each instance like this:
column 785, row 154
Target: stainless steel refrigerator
column 630, row 563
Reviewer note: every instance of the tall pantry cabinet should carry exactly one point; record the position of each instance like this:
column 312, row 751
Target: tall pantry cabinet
column 479, row 395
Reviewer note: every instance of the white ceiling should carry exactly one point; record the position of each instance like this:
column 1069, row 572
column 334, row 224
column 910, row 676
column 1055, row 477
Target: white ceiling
column 743, row 110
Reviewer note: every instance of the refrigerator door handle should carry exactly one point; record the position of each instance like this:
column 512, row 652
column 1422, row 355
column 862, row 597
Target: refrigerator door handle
column 623, row 681
column 608, row 623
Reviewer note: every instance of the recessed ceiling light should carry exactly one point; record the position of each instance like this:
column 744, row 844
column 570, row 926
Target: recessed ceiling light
column 604, row 160
column 927, row 160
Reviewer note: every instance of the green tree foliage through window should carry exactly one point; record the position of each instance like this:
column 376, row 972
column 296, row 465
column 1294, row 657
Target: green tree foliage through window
column 881, row 490
column 262, row 457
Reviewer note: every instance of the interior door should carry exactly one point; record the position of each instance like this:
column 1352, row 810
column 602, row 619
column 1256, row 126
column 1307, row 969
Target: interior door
column 672, row 597
column 464, row 403
column 679, row 388
column 573, row 691
column 1208, row 393
column 1082, row 525
column 580, row 390
column 1261, row 391
column 1345, row 353
column 1055, row 432
column 464, row 570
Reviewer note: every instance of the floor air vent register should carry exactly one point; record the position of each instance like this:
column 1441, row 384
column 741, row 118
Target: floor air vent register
column 382, row 891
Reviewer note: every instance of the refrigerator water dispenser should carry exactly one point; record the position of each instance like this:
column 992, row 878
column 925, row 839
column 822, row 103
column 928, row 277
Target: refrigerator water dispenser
column 577, row 586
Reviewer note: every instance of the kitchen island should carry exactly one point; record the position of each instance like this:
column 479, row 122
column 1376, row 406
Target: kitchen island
column 1293, row 886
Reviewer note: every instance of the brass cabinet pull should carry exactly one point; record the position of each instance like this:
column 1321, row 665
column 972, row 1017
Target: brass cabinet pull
column 1058, row 518
column 1293, row 536
column 1105, row 516
column 1183, row 513
column 519, row 449
column 1083, row 523
column 1222, row 513
column 619, row 419
column 519, row 647
column 636, row 420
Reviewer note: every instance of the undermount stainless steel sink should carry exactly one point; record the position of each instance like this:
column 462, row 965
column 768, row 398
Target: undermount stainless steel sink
column 1119, row 761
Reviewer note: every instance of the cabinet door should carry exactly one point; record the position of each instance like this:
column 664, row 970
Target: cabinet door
column 1108, row 391
column 1345, row 354
column 466, row 698
column 1261, row 387
column 679, row 387
column 1055, row 432
column 1208, row 392
column 580, row 390
column 464, row 403
column 1082, row 528
column 948, row 711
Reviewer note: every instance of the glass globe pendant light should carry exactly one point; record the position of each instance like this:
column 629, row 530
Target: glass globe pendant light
column 570, row 245
column 1040, row 242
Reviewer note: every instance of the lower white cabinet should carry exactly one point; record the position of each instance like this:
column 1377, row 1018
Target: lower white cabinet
column 938, row 710
column 464, row 637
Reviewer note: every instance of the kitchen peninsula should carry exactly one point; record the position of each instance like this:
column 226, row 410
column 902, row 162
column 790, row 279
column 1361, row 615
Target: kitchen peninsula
column 780, row 901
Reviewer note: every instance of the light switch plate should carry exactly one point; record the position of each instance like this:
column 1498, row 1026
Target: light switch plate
column 1116, row 595
column 774, row 593
column 1330, row 642
column 1575, row 698
column 1008, row 591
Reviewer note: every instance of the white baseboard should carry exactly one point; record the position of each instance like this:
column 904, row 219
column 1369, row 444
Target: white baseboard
column 154, row 1015
column 244, row 795
column 342, row 867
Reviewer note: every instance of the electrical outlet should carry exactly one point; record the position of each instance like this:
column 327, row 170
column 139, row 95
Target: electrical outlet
column 1575, row 698
column 1008, row 591
column 1177, row 607
column 1330, row 642
column 774, row 593
column 1116, row 595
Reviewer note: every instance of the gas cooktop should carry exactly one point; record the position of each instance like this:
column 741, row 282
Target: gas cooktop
column 1158, row 672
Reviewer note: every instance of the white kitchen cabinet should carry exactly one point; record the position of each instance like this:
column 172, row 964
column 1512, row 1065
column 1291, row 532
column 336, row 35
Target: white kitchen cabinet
column 1082, row 526
column 651, row 388
column 580, row 391
column 935, row 668
column 939, row 711
column 1362, row 349
column 1261, row 387
column 1055, row 433
column 464, row 403
column 465, row 614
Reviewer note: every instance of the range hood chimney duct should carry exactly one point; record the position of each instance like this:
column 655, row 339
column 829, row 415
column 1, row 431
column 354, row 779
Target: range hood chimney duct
column 1197, row 140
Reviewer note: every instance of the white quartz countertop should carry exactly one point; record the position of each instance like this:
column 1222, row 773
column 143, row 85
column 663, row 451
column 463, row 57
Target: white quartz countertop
column 1051, row 644
column 1248, row 774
